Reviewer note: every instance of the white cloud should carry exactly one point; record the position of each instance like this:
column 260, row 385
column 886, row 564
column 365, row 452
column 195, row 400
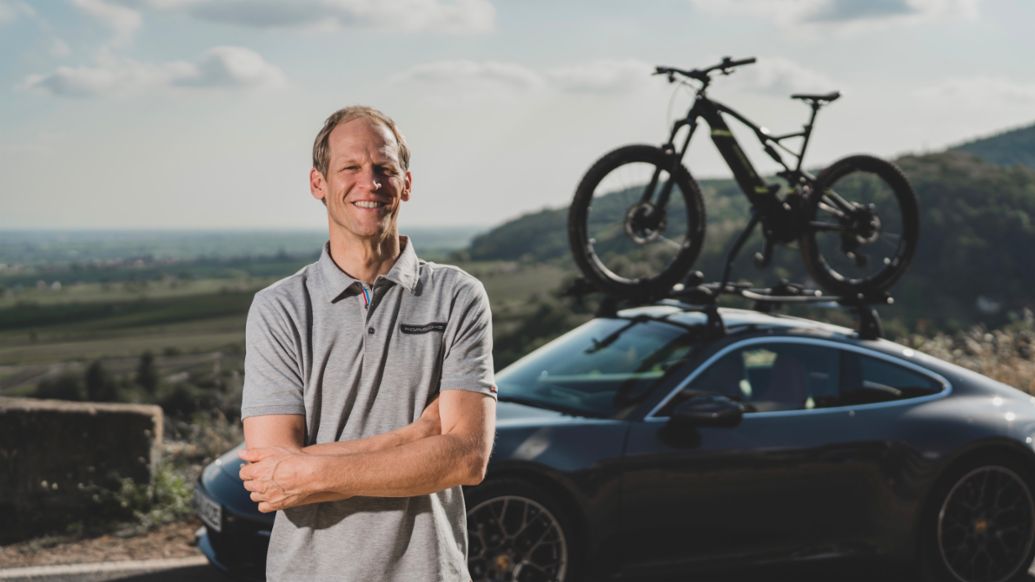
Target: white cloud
column 122, row 20
column 220, row 67
column 446, row 16
column 231, row 66
column 464, row 75
column 780, row 76
column 604, row 76
column 7, row 12
column 840, row 13
column 599, row 77
column 10, row 10
column 59, row 48
column 980, row 90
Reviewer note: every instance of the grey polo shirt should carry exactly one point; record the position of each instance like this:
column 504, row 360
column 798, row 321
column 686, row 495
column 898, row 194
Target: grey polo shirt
column 353, row 370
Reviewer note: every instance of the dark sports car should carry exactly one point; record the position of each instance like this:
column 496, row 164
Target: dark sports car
column 663, row 440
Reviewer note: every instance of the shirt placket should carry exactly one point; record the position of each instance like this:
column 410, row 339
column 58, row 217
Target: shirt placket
column 372, row 340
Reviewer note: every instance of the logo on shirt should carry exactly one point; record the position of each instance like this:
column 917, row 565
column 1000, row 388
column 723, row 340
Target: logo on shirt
column 426, row 328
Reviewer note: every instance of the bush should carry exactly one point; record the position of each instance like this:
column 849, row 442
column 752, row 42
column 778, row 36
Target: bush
column 169, row 497
column 183, row 399
column 100, row 386
column 1005, row 354
column 67, row 386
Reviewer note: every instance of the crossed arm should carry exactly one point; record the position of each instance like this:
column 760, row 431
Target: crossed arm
column 448, row 445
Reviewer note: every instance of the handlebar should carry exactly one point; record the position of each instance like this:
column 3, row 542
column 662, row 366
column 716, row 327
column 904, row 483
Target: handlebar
column 704, row 75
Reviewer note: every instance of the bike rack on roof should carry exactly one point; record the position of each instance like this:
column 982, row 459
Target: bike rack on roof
column 704, row 297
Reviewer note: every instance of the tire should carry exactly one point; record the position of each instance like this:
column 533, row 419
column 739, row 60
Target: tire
column 980, row 524
column 619, row 245
column 865, row 250
column 517, row 532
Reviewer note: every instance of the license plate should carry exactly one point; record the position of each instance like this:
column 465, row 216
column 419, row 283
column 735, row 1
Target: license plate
column 210, row 512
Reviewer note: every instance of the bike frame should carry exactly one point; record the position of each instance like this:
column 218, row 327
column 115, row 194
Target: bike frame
column 777, row 218
column 758, row 192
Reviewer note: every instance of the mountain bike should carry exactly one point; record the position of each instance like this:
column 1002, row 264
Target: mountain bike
column 637, row 221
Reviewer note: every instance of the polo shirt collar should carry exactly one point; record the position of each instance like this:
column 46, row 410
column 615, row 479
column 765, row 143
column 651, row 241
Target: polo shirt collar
column 337, row 283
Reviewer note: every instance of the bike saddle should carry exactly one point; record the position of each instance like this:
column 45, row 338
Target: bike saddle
column 828, row 98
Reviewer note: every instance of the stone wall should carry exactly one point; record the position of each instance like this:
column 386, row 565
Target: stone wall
column 59, row 459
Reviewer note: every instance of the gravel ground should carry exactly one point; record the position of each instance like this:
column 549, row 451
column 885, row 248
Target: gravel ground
column 174, row 540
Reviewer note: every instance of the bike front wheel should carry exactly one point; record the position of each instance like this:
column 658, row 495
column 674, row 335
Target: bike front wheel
column 862, row 229
column 636, row 223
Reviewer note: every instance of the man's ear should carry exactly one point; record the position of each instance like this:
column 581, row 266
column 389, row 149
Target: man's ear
column 408, row 186
column 317, row 185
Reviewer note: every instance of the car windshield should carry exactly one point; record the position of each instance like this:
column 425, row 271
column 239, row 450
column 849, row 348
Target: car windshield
column 598, row 368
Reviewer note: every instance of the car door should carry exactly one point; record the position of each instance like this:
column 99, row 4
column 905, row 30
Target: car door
column 792, row 477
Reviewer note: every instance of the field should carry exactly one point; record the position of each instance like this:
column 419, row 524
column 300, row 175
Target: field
column 56, row 319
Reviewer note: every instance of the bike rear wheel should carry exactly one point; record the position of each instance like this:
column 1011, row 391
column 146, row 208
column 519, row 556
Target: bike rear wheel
column 625, row 242
column 863, row 227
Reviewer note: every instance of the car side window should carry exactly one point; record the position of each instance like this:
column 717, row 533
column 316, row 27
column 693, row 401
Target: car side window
column 770, row 376
column 868, row 379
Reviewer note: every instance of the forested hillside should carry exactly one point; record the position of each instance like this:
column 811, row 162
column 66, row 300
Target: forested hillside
column 1015, row 147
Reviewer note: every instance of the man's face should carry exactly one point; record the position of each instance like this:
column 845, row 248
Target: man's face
column 365, row 183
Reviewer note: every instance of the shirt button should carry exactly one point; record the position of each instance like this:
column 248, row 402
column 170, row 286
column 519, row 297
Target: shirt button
column 370, row 330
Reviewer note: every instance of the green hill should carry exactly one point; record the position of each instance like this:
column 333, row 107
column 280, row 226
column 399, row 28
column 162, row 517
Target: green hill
column 1009, row 148
column 973, row 262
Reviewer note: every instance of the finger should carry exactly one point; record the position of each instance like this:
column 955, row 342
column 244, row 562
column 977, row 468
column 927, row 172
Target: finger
column 246, row 473
column 251, row 455
column 265, row 507
column 257, row 497
column 251, row 485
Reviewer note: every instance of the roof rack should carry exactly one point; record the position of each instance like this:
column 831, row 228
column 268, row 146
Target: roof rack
column 704, row 297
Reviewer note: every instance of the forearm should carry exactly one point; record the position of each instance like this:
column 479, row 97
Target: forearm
column 416, row 468
column 456, row 454
column 420, row 429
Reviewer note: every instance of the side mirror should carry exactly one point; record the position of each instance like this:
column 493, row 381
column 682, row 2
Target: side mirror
column 708, row 410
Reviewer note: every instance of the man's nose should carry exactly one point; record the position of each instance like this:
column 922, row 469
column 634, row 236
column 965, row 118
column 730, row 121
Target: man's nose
column 371, row 179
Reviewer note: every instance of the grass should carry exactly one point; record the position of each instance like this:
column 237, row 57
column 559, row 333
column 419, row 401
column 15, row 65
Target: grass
column 1006, row 355
column 88, row 293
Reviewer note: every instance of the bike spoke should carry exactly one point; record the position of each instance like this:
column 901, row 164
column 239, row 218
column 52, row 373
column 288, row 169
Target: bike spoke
column 889, row 240
column 840, row 206
column 826, row 226
column 670, row 242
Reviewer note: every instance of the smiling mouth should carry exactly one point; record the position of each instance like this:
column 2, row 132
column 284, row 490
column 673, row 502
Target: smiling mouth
column 369, row 204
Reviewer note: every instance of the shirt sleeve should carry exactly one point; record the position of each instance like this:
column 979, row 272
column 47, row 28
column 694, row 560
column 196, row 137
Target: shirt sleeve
column 273, row 381
column 467, row 362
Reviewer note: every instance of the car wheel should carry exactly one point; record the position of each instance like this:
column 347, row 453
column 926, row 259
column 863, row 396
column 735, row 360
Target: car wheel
column 517, row 532
column 981, row 526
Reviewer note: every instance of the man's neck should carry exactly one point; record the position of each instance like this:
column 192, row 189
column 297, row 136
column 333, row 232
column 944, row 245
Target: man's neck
column 365, row 259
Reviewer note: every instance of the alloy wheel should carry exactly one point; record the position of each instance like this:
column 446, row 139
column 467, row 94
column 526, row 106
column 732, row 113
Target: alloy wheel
column 986, row 525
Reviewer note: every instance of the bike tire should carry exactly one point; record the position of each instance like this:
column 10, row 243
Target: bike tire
column 882, row 227
column 649, row 267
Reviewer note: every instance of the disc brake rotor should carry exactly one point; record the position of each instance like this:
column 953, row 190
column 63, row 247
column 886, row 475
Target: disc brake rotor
column 644, row 223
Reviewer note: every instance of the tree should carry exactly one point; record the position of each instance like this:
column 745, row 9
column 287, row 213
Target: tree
column 67, row 386
column 147, row 373
column 100, row 387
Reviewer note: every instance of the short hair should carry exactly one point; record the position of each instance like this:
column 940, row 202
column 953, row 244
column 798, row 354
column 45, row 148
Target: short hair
column 321, row 146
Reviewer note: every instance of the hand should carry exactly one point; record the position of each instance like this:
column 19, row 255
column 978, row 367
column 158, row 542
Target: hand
column 278, row 478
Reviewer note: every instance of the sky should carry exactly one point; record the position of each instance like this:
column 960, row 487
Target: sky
column 200, row 114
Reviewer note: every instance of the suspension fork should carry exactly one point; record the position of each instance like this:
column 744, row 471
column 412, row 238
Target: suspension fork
column 675, row 157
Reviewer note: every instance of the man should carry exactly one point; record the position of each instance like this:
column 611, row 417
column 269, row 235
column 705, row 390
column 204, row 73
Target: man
column 368, row 394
